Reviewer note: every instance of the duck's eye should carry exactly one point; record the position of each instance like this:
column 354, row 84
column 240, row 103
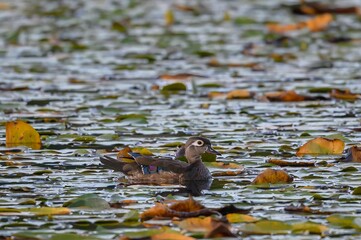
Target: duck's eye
column 199, row 143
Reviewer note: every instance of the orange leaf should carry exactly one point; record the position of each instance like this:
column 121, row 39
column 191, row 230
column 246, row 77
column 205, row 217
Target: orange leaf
column 197, row 224
column 353, row 154
column 163, row 210
column 217, row 95
column 278, row 28
column 321, row 146
column 239, row 94
column 173, row 236
column 319, row 22
column 344, row 94
column 124, row 153
column 272, row 176
column 19, row 133
column 284, row 96
column 179, row 76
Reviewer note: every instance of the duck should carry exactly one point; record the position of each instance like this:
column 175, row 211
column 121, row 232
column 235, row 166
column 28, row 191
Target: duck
column 150, row 169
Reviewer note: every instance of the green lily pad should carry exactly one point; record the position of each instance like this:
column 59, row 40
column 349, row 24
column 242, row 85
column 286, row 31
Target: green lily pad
column 88, row 201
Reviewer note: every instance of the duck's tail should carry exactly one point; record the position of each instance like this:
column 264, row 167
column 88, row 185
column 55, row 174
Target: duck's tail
column 117, row 165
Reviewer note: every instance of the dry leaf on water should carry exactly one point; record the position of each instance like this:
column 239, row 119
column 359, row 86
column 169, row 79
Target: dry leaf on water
column 344, row 94
column 234, row 94
column 321, row 146
column 284, row 96
column 19, row 133
column 124, row 153
column 212, row 228
column 312, row 8
column 215, row 63
column 315, row 24
column 179, row 76
column 353, row 154
column 239, row 94
column 177, row 209
column 272, row 176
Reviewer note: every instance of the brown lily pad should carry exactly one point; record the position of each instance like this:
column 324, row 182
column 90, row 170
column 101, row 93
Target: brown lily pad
column 273, row 176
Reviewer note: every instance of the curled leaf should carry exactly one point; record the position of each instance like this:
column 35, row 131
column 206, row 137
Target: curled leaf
column 321, row 146
column 183, row 208
column 273, row 176
column 353, row 154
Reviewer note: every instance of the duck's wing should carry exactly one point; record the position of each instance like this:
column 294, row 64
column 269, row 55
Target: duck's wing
column 117, row 165
column 166, row 164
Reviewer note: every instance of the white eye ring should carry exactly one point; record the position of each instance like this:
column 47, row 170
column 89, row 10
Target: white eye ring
column 198, row 143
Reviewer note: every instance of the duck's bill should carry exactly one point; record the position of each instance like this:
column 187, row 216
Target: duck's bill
column 211, row 150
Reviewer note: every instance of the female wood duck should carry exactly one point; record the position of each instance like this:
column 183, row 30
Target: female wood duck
column 148, row 169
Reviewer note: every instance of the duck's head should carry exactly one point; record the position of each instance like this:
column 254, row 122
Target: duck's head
column 196, row 146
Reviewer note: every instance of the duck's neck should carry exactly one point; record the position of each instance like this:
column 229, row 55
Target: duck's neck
column 192, row 158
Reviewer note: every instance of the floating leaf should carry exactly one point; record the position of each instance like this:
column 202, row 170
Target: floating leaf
column 320, row 8
column 309, row 227
column 353, row 154
column 239, row 94
column 315, row 24
column 131, row 118
column 273, row 176
column 176, row 209
column 284, row 96
column 169, row 235
column 19, row 133
column 119, row 27
column 179, row 76
column 266, row 227
column 344, row 95
column 321, row 146
column 174, row 87
column 198, row 224
column 240, row 218
column 90, row 201
column 169, row 17
column 124, row 153
column 142, row 150
column 344, row 221
column 357, row 191
column 31, row 234
column 43, row 211
column 215, row 63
